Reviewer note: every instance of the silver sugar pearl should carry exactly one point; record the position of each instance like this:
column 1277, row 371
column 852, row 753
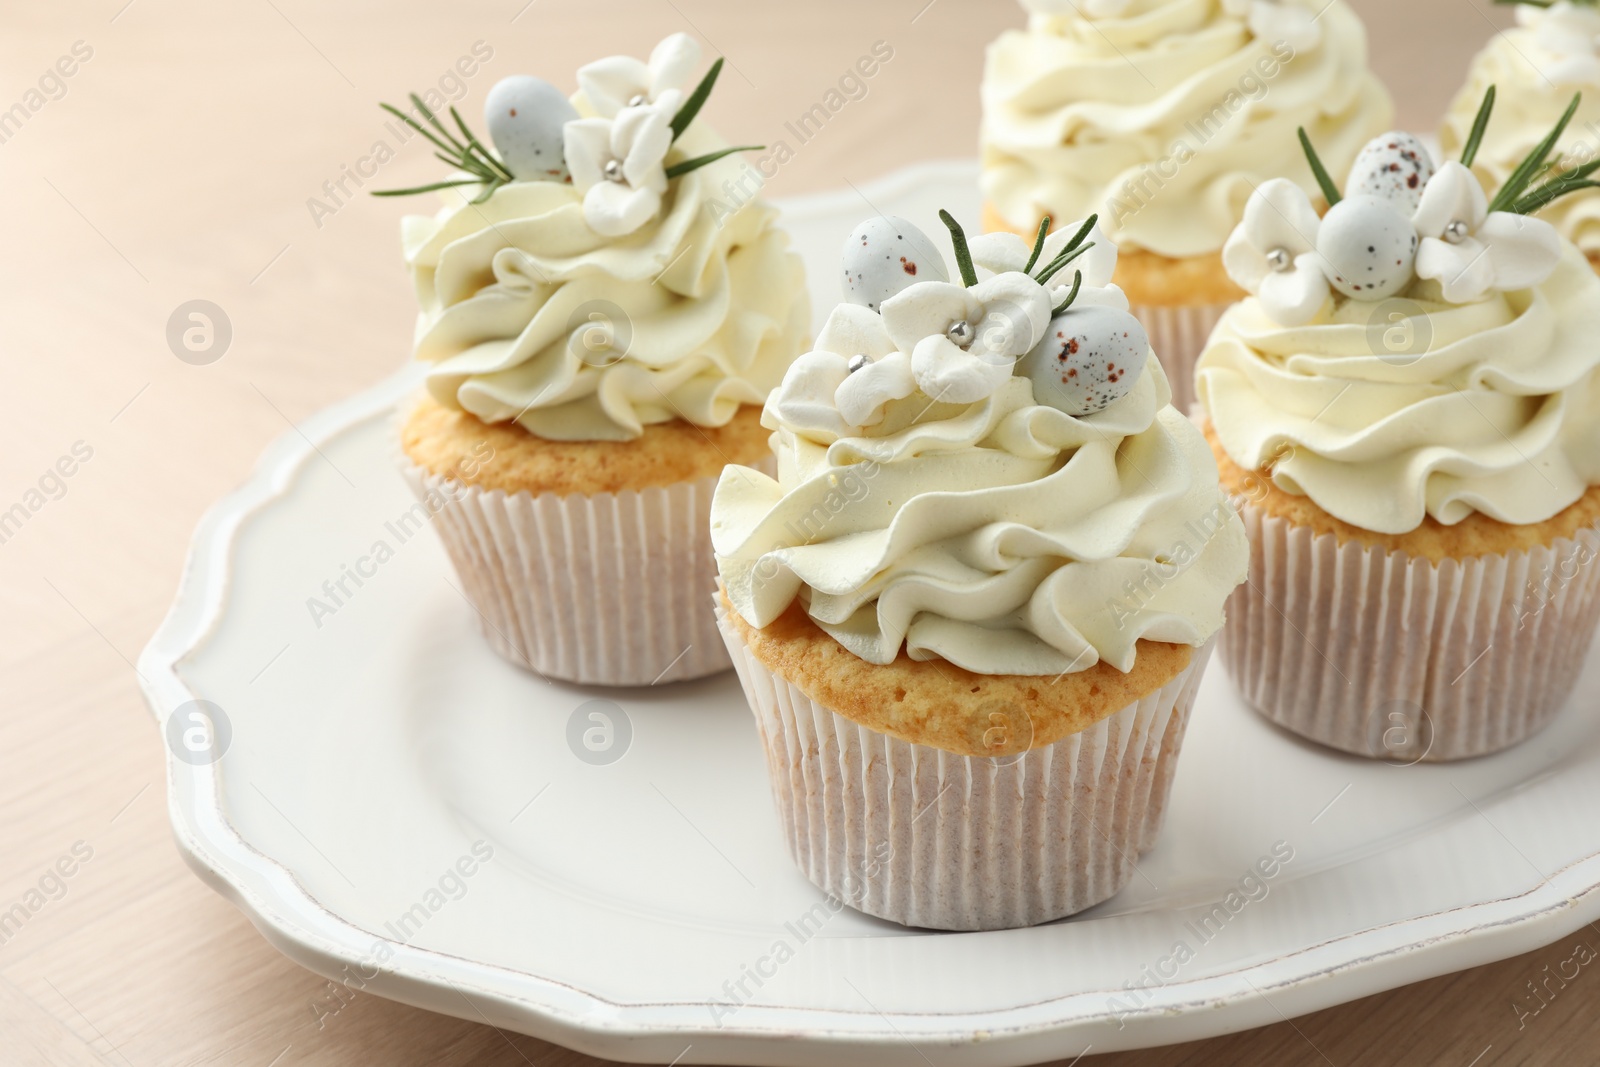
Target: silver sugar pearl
column 857, row 361
column 613, row 171
column 1456, row 232
column 638, row 100
column 961, row 333
column 1279, row 259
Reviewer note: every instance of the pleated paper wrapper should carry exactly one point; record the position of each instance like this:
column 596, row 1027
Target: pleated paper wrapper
column 928, row 838
column 1396, row 658
column 1178, row 335
column 604, row 589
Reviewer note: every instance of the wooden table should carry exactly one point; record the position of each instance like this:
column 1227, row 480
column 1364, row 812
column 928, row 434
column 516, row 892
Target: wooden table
column 176, row 163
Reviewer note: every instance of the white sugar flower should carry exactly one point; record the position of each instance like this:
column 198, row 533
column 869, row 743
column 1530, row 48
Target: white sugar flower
column 1470, row 250
column 804, row 401
column 1272, row 253
column 963, row 342
column 617, row 166
column 999, row 253
column 1570, row 32
column 842, row 387
column 881, row 372
column 1273, row 21
column 617, row 82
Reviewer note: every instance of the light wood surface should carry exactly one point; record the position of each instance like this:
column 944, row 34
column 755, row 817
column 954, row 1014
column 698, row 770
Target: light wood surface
column 177, row 165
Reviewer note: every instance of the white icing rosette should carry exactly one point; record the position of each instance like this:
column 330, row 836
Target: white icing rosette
column 1570, row 33
column 1095, row 107
column 591, row 309
column 1002, row 522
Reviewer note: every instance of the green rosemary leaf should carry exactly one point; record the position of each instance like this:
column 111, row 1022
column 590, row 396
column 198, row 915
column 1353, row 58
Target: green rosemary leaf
column 409, row 121
column 1330, row 191
column 433, row 120
column 1518, row 182
column 1077, row 283
column 1575, row 173
column 679, row 169
column 1470, row 151
column 1038, row 244
column 1547, row 194
column 488, row 191
column 691, row 107
column 1062, row 261
column 491, row 161
column 1530, row 3
column 1083, row 231
column 958, row 238
column 425, row 188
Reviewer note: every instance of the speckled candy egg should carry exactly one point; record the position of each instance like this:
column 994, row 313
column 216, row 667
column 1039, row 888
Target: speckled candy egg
column 525, row 116
column 885, row 255
column 1089, row 359
column 1369, row 247
column 1395, row 166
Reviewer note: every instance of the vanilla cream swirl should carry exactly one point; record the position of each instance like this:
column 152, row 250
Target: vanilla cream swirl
column 1491, row 407
column 529, row 315
column 1166, row 116
column 1530, row 95
column 1003, row 536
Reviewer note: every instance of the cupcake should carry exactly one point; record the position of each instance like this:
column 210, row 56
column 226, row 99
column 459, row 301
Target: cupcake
column 972, row 610
column 1163, row 116
column 1408, row 415
column 599, row 331
column 1535, row 70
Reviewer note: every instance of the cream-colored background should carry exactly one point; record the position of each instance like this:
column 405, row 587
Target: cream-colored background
column 178, row 166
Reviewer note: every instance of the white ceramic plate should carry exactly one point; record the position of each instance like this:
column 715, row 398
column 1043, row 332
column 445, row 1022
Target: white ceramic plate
column 644, row 909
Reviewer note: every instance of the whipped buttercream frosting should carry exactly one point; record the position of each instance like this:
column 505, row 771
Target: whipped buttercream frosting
column 1536, row 67
column 1420, row 351
column 1164, row 115
column 995, row 532
column 1494, row 408
column 529, row 313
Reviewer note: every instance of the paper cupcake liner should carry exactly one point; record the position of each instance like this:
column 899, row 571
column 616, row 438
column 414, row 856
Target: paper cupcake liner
column 1393, row 657
column 928, row 838
column 608, row 589
column 1179, row 335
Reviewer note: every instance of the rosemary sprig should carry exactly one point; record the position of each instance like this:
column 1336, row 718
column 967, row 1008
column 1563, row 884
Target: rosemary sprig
column 1330, row 191
column 469, row 155
column 1060, row 262
column 687, row 165
column 426, row 188
column 1038, row 244
column 1543, row 196
column 697, row 99
column 1543, row 3
column 476, row 146
column 958, row 238
column 1568, row 181
column 1517, row 184
column 1469, row 151
column 1077, row 283
column 1069, row 252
